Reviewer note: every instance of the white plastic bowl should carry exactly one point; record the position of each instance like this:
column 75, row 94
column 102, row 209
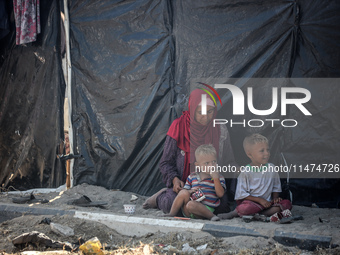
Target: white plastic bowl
column 129, row 209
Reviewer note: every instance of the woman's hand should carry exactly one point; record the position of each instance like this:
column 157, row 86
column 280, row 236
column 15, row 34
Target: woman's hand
column 177, row 185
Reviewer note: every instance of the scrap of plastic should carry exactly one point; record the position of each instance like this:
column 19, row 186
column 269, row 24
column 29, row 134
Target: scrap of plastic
column 202, row 247
column 92, row 247
column 187, row 248
column 170, row 248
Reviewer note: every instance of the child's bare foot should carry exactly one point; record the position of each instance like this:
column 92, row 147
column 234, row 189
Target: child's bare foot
column 151, row 201
column 215, row 218
column 228, row 215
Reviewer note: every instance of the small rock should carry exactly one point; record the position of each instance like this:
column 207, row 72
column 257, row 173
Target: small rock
column 61, row 230
column 133, row 198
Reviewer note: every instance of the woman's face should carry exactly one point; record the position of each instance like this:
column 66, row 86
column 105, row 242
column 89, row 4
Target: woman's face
column 204, row 119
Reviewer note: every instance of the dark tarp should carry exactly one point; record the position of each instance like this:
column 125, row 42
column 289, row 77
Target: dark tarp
column 4, row 19
column 31, row 106
column 133, row 62
column 122, row 57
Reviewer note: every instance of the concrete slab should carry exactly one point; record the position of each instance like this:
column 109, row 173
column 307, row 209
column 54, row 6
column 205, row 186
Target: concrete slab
column 125, row 225
column 139, row 226
column 229, row 231
column 29, row 209
column 305, row 242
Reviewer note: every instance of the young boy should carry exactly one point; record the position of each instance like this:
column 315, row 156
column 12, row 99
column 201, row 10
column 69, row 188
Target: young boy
column 258, row 186
column 205, row 178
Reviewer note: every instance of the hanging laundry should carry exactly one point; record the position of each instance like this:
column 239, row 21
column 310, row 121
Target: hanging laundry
column 27, row 20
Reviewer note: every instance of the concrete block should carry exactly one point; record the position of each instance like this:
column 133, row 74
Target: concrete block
column 25, row 209
column 138, row 226
column 306, row 242
column 229, row 231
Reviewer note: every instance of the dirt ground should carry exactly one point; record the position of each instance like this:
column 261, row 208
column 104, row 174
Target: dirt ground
column 157, row 242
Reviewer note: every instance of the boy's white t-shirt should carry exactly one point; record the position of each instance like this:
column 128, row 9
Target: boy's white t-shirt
column 257, row 184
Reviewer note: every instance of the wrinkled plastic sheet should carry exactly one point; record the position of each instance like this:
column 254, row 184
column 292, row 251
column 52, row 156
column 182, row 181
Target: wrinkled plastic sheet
column 31, row 107
column 133, row 62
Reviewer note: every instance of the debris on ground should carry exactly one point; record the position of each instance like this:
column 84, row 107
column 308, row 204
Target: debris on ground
column 321, row 221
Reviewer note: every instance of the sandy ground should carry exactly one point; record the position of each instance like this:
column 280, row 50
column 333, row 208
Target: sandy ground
column 157, row 242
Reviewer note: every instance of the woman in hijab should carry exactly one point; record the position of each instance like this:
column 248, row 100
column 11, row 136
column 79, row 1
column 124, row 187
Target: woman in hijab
column 185, row 134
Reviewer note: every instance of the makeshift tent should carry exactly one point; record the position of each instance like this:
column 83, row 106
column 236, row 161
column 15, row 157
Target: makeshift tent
column 132, row 67
column 31, row 103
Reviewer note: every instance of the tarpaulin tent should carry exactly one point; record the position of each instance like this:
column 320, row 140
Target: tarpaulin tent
column 132, row 65
column 31, row 102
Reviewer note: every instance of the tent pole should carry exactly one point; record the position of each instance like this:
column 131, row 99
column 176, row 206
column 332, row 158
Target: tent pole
column 70, row 162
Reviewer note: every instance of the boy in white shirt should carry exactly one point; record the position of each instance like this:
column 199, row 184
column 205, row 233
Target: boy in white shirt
column 258, row 186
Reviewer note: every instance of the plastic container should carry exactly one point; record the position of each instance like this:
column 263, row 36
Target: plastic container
column 197, row 196
column 130, row 209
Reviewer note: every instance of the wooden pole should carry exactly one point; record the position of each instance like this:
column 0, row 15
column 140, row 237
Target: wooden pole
column 69, row 162
column 68, row 177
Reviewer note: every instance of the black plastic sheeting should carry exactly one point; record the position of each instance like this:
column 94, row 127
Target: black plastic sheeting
column 122, row 57
column 31, row 106
column 4, row 19
column 133, row 62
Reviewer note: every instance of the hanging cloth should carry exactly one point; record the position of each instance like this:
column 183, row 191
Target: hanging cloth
column 27, row 20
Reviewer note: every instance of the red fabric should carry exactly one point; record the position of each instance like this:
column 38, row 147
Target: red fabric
column 27, row 20
column 190, row 134
column 247, row 207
